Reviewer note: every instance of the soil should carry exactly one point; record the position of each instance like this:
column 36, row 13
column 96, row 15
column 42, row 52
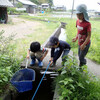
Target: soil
column 20, row 27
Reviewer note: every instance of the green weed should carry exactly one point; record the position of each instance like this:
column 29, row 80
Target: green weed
column 77, row 84
column 8, row 63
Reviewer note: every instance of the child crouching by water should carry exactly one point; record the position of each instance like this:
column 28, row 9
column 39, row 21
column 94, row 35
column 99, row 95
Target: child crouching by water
column 36, row 52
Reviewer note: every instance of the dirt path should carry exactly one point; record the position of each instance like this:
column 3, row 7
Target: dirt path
column 20, row 27
column 93, row 67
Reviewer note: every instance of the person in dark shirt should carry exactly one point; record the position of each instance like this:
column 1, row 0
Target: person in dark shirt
column 58, row 47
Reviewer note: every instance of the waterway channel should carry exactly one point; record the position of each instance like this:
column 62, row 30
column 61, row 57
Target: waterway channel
column 47, row 87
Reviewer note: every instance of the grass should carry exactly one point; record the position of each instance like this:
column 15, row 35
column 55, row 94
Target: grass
column 94, row 51
column 77, row 84
column 40, row 34
column 18, row 49
column 44, row 18
column 71, row 31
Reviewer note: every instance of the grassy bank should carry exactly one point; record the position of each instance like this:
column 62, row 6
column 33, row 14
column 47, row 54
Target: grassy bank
column 13, row 52
column 77, row 83
column 40, row 34
column 71, row 31
column 47, row 18
column 94, row 51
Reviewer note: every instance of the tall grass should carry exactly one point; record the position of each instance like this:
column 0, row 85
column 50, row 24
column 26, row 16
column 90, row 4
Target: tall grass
column 94, row 52
column 77, row 84
column 9, row 64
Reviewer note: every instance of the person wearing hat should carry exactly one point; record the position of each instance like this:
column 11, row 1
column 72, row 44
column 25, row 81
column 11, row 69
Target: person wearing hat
column 83, row 33
column 58, row 47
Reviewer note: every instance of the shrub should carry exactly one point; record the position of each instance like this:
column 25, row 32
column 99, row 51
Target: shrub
column 77, row 84
column 8, row 63
column 19, row 5
column 13, row 11
column 94, row 50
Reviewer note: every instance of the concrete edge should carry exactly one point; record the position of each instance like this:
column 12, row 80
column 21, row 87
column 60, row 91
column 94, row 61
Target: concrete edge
column 55, row 33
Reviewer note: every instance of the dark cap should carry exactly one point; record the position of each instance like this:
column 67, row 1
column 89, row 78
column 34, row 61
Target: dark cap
column 53, row 41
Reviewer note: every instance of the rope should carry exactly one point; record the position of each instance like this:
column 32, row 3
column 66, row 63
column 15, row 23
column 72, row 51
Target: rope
column 40, row 81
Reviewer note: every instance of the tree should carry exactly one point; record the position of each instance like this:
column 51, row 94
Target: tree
column 36, row 2
column 19, row 5
column 50, row 2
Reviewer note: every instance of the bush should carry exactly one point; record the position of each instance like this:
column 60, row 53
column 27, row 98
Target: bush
column 13, row 11
column 8, row 63
column 19, row 5
column 77, row 84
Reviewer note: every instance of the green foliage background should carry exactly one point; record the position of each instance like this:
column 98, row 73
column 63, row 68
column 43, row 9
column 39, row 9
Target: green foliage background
column 76, row 83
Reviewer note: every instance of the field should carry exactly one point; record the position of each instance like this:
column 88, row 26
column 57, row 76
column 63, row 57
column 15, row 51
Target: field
column 71, row 31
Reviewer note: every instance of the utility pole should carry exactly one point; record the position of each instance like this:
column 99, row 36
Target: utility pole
column 72, row 9
column 13, row 2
